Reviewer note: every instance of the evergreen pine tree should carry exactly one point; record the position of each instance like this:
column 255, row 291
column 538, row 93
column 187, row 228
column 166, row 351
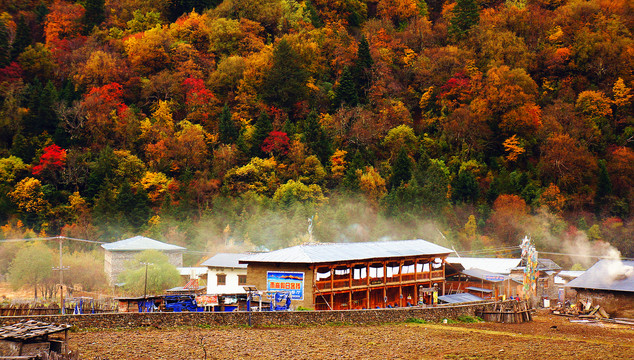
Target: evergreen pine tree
column 32, row 95
column 263, row 127
column 466, row 14
column 5, row 52
column 604, row 184
column 134, row 206
column 362, row 68
column 228, row 131
column 465, row 188
column 41, row 10
column 95, row 14
column 22, row 38
column 40, row 100
column 316, row 138
column 346, row 92
column 351, row 180
column 401, row 170
column 285, row 82
column 313, row 15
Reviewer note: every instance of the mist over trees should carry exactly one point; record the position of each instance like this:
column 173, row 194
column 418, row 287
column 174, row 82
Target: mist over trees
column 220, row 125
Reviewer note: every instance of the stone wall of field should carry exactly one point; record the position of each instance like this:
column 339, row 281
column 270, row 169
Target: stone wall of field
column 166, row 320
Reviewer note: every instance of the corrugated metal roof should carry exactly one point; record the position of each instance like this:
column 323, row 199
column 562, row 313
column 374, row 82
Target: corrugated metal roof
column 333, row 252
column 226, row 260
column 611, row 275
column 485, row 275
column 140, row 243
column 474, row 288
column 459, row 298
column 494, row 265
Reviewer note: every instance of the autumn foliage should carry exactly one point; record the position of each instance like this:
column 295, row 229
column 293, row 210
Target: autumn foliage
column 159, row 117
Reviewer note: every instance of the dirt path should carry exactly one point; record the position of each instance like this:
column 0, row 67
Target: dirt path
column 547, row 337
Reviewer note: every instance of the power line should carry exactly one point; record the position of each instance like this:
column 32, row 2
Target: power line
column 584, row 255
column 53, row 238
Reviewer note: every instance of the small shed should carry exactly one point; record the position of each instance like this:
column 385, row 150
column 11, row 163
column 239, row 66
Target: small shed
column 30, row 338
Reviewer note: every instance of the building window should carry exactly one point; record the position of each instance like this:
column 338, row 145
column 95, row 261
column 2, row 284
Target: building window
column 242, row 279
column 222, row 279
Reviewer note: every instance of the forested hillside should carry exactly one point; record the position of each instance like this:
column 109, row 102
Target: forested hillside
column 227, row 124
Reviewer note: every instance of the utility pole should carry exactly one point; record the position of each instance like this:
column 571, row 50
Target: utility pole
column 145, row 287
column 61, row 270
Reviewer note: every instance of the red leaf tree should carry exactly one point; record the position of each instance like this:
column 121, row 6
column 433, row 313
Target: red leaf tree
column 53, row 159
column 277, row 143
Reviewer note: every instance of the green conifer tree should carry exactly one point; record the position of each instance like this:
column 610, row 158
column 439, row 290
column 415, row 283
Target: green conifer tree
column 263, row 127
column 95, row 14
column 5, row 51
column 346, row 92
column 22, row 38
column 228, row 131
column 604, row 184
column 316, row 138
column 362, row 68
column 285, row 83
column 401, row 169
column 41, row 102
column 466, row 14
column 465, row 188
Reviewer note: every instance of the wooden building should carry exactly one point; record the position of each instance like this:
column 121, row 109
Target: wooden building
column 481, row 283
column 352, row 275
column 28, row 339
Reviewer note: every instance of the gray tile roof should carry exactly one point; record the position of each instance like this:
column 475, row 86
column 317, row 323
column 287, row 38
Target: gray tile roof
column 30, row 329
column 140, row 243
column 225, row 260
column 611, row 275
column 333, row 252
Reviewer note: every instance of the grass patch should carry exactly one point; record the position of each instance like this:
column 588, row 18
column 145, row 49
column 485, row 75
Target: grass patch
column 416, row 321
column 469, row 319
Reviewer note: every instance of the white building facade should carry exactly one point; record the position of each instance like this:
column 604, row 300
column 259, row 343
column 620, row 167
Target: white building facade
column 225, row 275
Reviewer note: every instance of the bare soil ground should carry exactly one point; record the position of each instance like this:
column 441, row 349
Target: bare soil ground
column 547, row 337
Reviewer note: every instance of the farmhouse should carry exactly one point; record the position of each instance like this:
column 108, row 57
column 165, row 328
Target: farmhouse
column 352, row 275
column 609, row 283
column 225, row 275
column 117, row 253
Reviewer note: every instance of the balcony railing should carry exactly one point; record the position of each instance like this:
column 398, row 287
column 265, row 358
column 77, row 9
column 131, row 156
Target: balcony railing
column 329, row 284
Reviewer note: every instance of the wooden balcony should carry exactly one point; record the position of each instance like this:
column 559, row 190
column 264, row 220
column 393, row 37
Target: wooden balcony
column 403, row 279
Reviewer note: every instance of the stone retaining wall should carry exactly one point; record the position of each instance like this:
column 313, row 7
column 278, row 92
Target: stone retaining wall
column 166, row 320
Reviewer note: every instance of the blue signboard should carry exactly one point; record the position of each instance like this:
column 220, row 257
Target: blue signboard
column 494, row 278
column 292, row 282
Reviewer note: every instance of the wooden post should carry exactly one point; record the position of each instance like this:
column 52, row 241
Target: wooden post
column 332, row 278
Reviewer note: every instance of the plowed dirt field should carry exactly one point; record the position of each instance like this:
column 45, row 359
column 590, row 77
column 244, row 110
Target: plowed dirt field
column 547, row 337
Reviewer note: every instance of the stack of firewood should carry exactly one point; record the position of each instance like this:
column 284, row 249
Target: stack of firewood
column 582, row 309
